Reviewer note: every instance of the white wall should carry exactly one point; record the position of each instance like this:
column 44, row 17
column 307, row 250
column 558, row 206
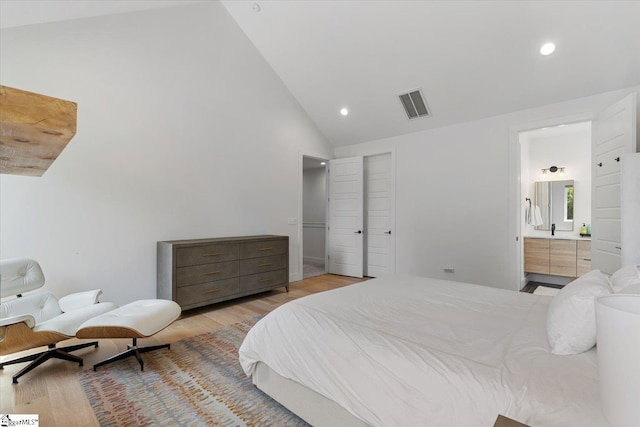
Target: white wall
column 458, row 192
column 314, row 214
column 184, row 131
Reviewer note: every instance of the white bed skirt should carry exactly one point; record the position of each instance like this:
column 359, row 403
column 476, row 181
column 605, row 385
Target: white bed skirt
column 312, row 407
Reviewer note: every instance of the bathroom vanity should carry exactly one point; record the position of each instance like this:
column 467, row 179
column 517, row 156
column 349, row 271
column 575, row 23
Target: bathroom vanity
column 557, row 256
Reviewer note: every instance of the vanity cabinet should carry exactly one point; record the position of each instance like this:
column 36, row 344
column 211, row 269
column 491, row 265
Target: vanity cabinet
column 198, row 272
column 562, row 257
column 558, row 257
column 536, row 255
column 584, row 257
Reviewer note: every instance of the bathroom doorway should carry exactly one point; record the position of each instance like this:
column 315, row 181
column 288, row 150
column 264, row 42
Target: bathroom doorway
column 555, row 191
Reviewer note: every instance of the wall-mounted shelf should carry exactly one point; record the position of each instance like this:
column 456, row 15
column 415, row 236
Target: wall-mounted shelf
column 34, row 129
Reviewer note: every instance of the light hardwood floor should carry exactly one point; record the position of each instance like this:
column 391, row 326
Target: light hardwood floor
column 53, row 391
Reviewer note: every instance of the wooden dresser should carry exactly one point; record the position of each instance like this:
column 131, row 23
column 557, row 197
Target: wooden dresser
column 558, row 257
column 198, row 272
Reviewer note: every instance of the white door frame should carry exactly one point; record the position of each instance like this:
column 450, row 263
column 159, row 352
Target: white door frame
column 516, row 243
column 298, row 275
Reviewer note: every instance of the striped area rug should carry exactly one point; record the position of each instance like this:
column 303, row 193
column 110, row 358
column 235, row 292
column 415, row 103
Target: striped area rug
column 198, row 382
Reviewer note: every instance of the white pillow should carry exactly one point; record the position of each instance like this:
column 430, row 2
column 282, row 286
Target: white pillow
column 626, row 276
column 631, row 289
column 571, row 320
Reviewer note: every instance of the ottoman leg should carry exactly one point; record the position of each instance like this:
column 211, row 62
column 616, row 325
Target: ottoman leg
column 132, row 350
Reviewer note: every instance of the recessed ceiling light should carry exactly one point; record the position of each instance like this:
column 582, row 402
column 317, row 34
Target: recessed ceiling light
column 547, row 49
column 323, row 163
column 344, row 111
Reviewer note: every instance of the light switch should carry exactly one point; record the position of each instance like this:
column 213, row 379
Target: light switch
column 292, row 221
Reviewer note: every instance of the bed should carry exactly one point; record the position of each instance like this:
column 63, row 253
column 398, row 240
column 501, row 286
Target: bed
column 409, row 351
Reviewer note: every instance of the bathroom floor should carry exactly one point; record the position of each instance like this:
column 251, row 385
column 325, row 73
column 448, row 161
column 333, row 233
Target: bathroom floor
column 531, row 286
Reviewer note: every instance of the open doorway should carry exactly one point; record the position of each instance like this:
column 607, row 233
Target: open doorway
column 614, row 225
column 314, row 216
column 556, row 197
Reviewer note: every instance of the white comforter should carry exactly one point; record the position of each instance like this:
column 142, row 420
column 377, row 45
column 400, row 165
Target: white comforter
column 410, row 351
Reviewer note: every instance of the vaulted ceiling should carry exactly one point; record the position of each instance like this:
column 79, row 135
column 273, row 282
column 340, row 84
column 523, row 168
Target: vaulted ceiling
column 470, row 59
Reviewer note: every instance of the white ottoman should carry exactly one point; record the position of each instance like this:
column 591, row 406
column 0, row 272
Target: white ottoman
column 138, row 319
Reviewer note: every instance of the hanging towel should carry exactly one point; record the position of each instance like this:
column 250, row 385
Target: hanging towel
column 527, row 214
column 536, row 218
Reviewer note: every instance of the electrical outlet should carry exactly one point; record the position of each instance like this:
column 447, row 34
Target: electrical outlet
column 449, row 269
column 292, row 221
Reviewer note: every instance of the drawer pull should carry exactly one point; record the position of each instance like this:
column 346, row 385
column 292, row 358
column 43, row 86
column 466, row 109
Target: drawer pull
column 212, row 254
column 211, row 291
column 265, row 249
column 211, row 273
column 265, row 264
column 266, row 280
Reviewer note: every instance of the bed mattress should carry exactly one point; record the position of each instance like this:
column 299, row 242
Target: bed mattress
column 406, row 351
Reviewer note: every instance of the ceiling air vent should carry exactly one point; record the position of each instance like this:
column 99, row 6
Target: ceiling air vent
column 414, row 104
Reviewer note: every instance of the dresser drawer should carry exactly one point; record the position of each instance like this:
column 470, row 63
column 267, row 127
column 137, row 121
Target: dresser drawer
column 206, row 254
column 263, row 280
column 262, row 264
column 193, row 294
column 206, row 273
column 263, row 248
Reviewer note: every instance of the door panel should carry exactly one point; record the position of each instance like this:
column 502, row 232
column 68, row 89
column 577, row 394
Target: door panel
column 379, row 235
column 606, row 161
column 607, row 196
column 346, row 216
column 613, row 136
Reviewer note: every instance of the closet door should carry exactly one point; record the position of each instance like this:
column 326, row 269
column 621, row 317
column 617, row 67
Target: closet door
column 379, row 236
column 613, row 137
column 346, row 229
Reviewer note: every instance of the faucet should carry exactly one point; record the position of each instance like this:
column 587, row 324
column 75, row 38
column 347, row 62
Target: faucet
column 553, row 229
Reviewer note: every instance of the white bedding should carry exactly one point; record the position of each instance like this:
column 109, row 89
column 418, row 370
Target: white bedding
column 409, row 351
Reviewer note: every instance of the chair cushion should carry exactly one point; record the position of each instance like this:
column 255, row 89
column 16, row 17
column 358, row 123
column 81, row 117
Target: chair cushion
column 69, row 323
column 79, row 300
column 19, row 275
column 42, row 306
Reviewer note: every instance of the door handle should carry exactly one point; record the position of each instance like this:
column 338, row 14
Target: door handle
column 358, row 232
column 387, row 232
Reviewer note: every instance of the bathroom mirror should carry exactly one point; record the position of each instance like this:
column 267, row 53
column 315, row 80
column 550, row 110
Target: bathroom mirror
column 555, row 200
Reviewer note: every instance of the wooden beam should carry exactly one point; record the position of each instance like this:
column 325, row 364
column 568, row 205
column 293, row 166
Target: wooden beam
column 34, row 129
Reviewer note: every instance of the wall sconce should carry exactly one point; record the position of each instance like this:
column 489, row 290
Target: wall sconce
column 552, row 169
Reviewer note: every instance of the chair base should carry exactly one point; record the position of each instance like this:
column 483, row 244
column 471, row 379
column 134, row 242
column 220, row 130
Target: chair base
column 52, row 353
column 132, row 350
